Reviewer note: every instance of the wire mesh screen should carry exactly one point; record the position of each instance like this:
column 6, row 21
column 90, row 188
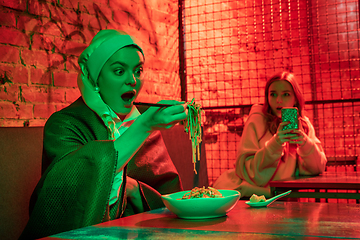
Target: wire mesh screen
column 232, row 47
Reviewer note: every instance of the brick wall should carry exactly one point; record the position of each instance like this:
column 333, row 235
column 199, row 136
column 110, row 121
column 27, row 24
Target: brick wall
column 40, row 42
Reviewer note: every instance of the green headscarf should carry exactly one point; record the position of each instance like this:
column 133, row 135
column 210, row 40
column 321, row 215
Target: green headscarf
column 91, row 61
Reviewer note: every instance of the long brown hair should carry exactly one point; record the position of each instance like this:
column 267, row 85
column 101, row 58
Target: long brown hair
column 272, row 121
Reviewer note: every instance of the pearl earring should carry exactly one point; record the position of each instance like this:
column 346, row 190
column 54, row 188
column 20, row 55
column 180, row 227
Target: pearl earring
column 97, row 89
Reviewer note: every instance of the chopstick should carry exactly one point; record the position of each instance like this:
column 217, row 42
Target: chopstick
column 152, row 104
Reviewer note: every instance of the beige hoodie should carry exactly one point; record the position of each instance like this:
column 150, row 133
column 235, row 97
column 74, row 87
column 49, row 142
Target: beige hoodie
column 260, row 162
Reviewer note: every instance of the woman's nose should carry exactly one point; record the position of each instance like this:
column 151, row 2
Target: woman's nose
column 279, row 99
column 131, row 80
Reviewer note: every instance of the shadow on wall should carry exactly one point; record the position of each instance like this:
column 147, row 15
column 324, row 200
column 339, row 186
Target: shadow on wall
column 73, row 21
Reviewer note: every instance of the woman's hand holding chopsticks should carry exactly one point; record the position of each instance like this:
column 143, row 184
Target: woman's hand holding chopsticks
column 166, row 116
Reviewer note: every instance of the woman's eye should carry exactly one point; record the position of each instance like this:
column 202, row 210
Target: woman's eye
column 286, row 94
column 119, row 71
column 139, row 71
column 272, row 94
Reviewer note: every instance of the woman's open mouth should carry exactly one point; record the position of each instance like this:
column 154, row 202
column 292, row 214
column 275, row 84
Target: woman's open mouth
column 129, row 96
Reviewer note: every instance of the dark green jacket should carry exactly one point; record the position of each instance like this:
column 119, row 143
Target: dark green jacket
column 78, row 170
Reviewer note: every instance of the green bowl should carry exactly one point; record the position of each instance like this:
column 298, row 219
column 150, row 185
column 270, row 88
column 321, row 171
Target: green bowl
column 201, row 208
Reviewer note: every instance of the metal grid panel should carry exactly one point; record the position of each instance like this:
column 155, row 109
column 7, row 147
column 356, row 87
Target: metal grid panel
column 232, row 47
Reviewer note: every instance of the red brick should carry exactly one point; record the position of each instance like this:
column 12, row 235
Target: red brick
column 70, row 47
column 98, row 23
column 57, row 95
column 57, row 13
column 43, row 110
column 98, row 10
column 71, row 64
column 59, row 45
column 158, row 64
column 56, row 61
column 9, row 92
column 134, row 23
column 87, row 35
column 28, row 23
column 71, row 32
column 64, row 79
column 40, row 76
column 113, row 25
column 103, row 2
column 39, row 8
column 7, row 110
column 9, row 54
column 64, row 15
column 42, row 42
column 164, row 17
column 58, row 107
column 16, row 110
column 39, row 94
column 11, row 123
column 85, row 19
column 104, row 12
column 150, row 50
column 18, row 5
column 35, row 58
column 68, row 4
column 146, row 15
column 148, row 98
column 36, row 122
column 24, row 111
column 7, row 18
column 14, row 37
column 17, row 74
column 121, row 17
column 120, row 6
column 146, row 89
column 49, row 27
column 71, row 94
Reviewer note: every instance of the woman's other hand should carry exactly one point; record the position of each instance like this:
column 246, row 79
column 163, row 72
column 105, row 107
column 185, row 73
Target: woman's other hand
column 133, row 194
column 301, row 136
column 283, row 136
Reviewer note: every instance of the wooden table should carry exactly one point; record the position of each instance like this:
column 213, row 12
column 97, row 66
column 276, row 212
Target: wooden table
column 328, row 181
column 280, row 220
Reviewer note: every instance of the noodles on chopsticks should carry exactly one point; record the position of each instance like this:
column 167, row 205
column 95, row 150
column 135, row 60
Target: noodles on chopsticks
column 202, row 193
column 193, row 128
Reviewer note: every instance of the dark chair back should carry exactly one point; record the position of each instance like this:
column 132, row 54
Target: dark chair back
column 180, row 150
column 20, row 170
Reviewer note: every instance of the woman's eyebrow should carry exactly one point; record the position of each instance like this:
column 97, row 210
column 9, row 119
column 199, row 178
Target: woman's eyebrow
column 118, row 62
column 280, row 90
column 126, row 65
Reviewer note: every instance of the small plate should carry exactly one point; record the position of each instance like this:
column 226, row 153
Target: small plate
column 201, row 208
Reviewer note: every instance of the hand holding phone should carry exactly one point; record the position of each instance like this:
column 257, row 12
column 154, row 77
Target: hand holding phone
column 290, row 114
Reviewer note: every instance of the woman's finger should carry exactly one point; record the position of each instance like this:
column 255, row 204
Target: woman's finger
column 176, row 109
column 281, row 126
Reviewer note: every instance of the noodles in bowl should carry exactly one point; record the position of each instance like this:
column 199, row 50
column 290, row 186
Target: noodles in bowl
column 185, row 205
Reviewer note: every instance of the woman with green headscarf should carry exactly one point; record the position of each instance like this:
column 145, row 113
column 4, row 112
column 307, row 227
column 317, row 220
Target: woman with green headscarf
column 102, row 159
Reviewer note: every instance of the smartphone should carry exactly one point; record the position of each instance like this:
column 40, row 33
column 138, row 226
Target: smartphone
column 290, row 114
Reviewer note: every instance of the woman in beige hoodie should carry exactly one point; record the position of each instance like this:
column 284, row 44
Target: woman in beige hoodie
column 266, row 151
